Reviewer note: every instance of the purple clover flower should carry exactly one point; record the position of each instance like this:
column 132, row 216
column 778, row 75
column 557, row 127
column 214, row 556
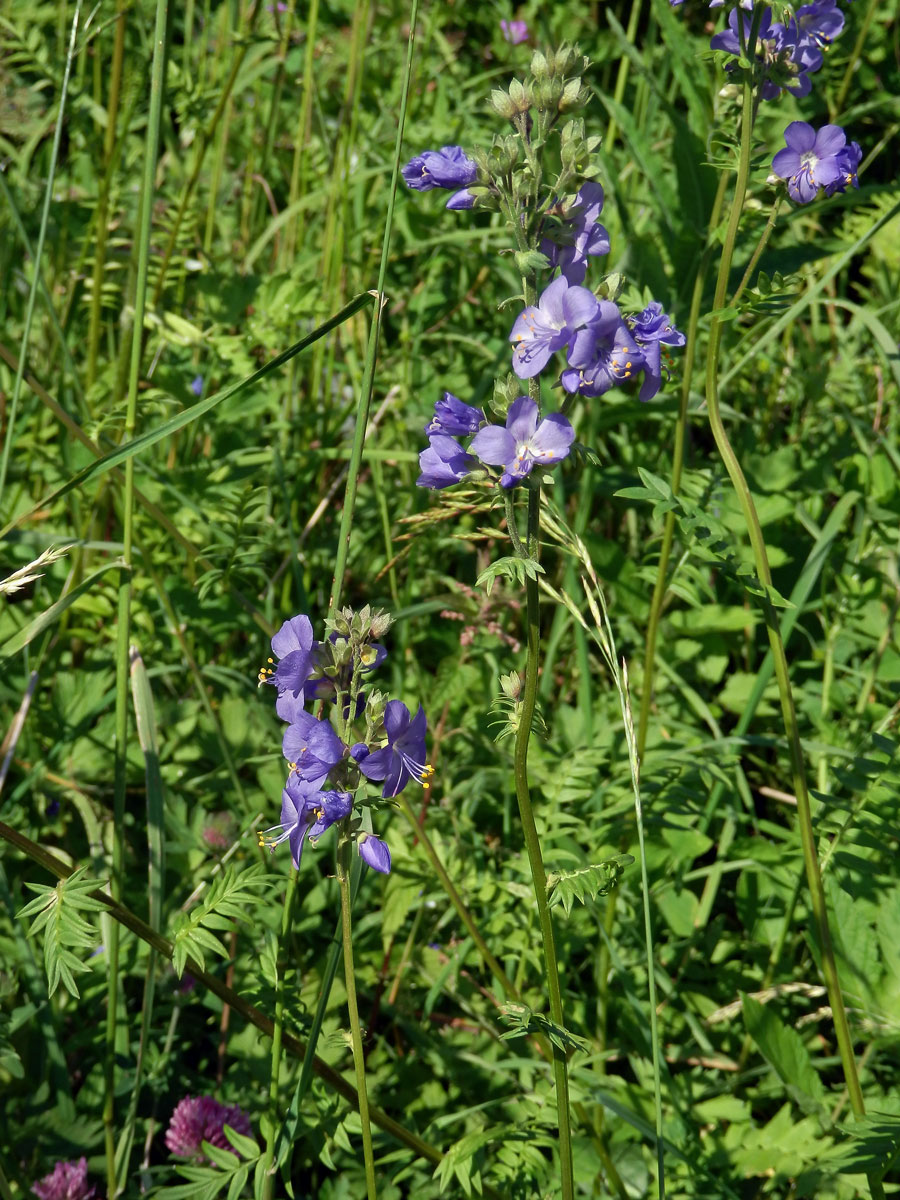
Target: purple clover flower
column 587, row 237
column 443, row 463
column 455, row 417
column 449, row 167
column 67, row 1181
column 539, row 332
column 603, row 354
column 306, row 812
column 311, row 747
column 375, row 852
column 653, row 329
column 403, row 758
column 199, row 1119
column 293, row 646
column 525, row 442
column 515, row 32
column 812, row 160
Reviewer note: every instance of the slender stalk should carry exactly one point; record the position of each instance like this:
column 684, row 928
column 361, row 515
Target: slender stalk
column 457, row 901
column 39, row 252
column 760, row 556
column 660, row 587
column 124, row 600
column 359, row 1060
column 368, row 379
column 112, row 114
column 533, row 845
column 287, row 918
column 854, row 59
column 760, row 246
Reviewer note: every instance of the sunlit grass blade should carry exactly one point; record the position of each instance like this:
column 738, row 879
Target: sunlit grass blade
column 144, row 441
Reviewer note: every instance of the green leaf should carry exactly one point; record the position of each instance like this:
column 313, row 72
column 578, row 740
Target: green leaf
column 784, row 1050
column 515, row 569
column 587, row 883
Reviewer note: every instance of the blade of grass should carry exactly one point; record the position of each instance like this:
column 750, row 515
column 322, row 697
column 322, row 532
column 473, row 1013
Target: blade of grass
column 45, row 619
column 126, row 452
column 39, row 252
column 114, row 1030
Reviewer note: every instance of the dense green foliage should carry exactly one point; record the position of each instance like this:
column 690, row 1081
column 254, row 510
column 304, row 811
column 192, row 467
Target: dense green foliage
column 271, row 193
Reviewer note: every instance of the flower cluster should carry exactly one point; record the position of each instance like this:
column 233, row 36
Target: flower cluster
column 786, row 53
column 199, row 1119
column 325, row 762
column 814, row 160
column 67, row 1181
column 603, row 346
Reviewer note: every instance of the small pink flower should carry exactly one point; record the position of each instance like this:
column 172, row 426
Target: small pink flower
column 199, row 1119
column 67, row 1181
column 515, row 32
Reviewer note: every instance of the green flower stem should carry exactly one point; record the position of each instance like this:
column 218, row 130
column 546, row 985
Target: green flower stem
column 760, row 246
column 457, row 901
column 129, row 920
column 287, row 918
column 532, row 842
column 359, row 1061
column 114, row 1032
column 661, row 585
column 757, row 542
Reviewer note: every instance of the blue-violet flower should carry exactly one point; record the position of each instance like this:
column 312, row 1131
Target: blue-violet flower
column 443, row 463
column 374, row 851
column 539, row 332
column 449, row 167
column 524, row 442
column 403, row 758
column 652, row 329
column 306, row 812
column 311, row 747
column 454, row 416
column 815, row 159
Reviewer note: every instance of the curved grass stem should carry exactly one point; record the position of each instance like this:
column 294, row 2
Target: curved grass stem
column 760, row 556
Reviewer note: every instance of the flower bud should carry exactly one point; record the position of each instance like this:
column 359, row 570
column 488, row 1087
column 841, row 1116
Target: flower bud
column 575, row 95
column 381, row 623
column 547, row 94
column 520, row 95
column 568, row 60
column 540, row 68
column 505, row 391
column 511, row 685
column 502, row 104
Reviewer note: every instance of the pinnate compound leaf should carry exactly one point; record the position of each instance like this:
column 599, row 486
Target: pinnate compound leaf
column 515, row 569
column 588, row 883
column 229, row 899
column 525, row 1021
column 57, row 914
column 704, row 529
